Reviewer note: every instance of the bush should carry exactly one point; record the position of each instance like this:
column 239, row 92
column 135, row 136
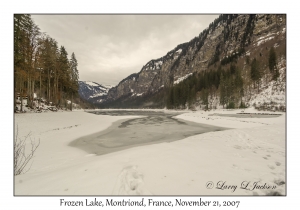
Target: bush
column 242, row 105
column 231, row 105
column 21, row 159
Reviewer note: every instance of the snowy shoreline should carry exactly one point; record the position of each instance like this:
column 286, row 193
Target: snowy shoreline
column 253, row 151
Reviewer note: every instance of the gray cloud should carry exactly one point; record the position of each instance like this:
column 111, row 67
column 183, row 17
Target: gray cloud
column 111, row 47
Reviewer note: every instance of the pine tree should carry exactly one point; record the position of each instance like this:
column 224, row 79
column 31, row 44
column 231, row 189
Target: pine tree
column 272, row 63
column 74, row 77
column 204, row 97
column 191, row 97
column 65, row 73
column 238, row 83
column 255, row 72
column 39, row 65
column 170, row 102
column 25, row 48
column 222, row 91
column 48, row 64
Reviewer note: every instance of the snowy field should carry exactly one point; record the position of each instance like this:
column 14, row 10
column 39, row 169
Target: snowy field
column 251, row 155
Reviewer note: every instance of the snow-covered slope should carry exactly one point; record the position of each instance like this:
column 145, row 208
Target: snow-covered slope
column 273, row 94
column 92, row 91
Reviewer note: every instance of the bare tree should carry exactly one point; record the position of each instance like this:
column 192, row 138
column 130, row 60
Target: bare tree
column 21, row 159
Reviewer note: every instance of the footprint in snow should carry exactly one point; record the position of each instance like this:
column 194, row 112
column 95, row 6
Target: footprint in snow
column 130, row 182
column 277, row 163
column 271, row 167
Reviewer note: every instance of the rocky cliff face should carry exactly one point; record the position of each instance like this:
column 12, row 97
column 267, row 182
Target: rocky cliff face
column 228, row 37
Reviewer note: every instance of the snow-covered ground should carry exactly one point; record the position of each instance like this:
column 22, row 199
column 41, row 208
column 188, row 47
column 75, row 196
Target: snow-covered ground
column 253, row 151
column 274, row 92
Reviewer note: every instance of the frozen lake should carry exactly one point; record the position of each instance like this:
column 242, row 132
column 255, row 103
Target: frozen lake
column 246, row 115
column 152, row 127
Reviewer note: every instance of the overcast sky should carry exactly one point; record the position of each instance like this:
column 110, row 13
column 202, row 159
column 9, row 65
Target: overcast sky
column 111, row 47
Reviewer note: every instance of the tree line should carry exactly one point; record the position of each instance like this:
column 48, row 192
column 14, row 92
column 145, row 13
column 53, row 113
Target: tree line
column 41, row 66
column 226, row 85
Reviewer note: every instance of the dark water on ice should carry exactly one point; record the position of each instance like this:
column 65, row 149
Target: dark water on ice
column 246, row 115
column 153, row 127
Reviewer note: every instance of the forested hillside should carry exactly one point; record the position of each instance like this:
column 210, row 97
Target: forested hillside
column 42, row 69
column 238, row 61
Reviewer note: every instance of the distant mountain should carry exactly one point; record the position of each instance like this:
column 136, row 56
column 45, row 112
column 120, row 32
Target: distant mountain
column 230, row 42
column 93, row 91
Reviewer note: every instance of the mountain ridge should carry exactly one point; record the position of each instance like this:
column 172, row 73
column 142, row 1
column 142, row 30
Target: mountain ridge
column 229, row 39
column 92, row 91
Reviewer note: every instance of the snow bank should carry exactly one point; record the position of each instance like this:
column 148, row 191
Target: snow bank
column 254, row 153
column 232, row 122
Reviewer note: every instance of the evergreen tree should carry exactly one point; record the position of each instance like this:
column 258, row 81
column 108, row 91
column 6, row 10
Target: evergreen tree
column 25, row 47
column 170, row 100
column 273, row 62
column 255, row 72
column 204, row 97
column 238, row 84
column 48, row 64
column 39, row 66
column 74, row 77
column 230, row 91
column 222, row 91
column 232, row 68
column 191, row 97
column 65, row 72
